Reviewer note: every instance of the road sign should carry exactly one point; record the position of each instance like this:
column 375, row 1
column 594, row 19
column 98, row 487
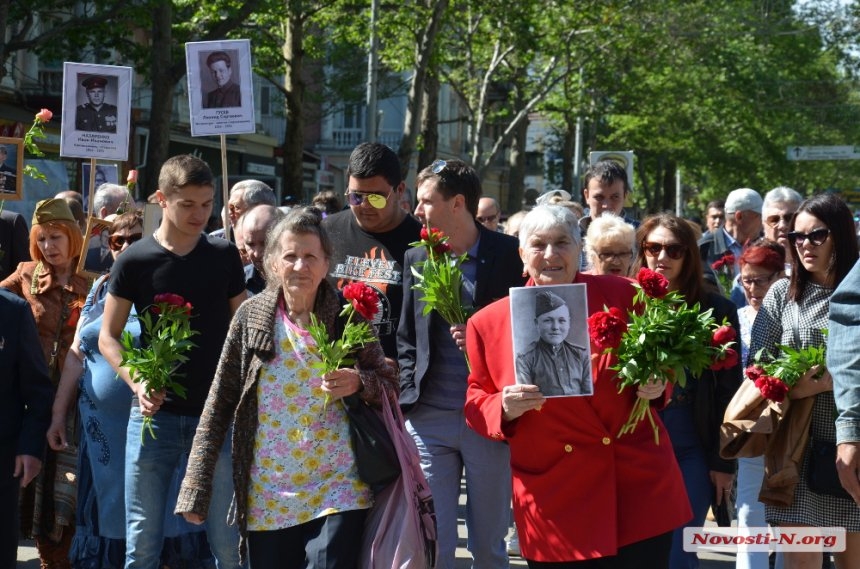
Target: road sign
column 823, row 153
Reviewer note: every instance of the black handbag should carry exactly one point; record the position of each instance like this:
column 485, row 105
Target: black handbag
column 375, row 455
column 821, row 476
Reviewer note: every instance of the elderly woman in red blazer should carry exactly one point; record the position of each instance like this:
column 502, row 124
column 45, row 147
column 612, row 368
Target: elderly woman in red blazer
column 583, row 497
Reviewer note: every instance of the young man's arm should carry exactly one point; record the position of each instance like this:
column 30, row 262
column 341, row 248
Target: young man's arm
column 113, row 322
column 237, row 301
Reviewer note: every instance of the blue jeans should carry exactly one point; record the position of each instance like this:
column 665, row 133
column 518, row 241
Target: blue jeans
column 447, row 447
column 149, row 468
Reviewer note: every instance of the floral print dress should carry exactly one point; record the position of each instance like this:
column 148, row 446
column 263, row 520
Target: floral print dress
column 304, row 466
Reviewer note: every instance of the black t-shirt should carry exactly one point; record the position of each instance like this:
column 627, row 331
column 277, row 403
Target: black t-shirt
column 207, row 277
column 375, row 259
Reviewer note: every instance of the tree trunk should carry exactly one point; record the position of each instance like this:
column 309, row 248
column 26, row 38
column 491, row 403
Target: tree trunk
column 568, row 156
column 424, row 51
column 517, row 166
column 294, row 86
column 429, row 123
column 163, row 85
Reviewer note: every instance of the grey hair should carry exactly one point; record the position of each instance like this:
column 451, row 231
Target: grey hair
column 299, row 221
column 255, row 192
column 109, row 196
column 782, row 194
column 545, row 217
column 608, row 228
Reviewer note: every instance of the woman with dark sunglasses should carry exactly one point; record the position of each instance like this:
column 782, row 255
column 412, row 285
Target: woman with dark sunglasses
column 104, row 405
column 794, row 312
column 667, row 245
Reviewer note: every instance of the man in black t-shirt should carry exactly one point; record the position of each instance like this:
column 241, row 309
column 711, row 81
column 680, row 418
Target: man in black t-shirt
column 207, row 272
column 370, row 239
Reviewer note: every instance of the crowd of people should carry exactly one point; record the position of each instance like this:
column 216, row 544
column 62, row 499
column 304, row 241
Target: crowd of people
column 252, row 466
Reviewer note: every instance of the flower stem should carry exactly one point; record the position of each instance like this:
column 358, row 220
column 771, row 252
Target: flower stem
column 641, row 409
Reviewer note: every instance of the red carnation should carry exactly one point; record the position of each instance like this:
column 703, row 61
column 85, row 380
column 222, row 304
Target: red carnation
column 718, row 264
column 363, row 298
column 425, row 234
column 772, row 388
column 729, row 259
column 727, row 359
column 607, row 328
column 653, row 283
column 723, row 335
column 442, row 248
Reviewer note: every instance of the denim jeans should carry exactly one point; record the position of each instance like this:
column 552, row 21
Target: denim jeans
column 148, row 471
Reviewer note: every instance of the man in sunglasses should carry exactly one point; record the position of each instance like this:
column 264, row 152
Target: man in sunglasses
column 777, row 212
column 743, row 224
column 370, row 239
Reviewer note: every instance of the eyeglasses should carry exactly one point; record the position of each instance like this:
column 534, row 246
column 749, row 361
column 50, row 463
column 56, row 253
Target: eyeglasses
column 604, row 257
column 438, row 165
column 817, row 237
column 750, row 282
column 673, row 250
column 116, row 242
column 376, row 201
column 773, row 220
column 487, row 219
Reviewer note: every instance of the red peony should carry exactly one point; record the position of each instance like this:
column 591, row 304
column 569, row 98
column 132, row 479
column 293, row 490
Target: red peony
column 772, row 388
column 363, row 298
column 723, row 335
column 754, row 372
column 169, row 298
column 653, row 283
column 607, row 328
column 727, row 359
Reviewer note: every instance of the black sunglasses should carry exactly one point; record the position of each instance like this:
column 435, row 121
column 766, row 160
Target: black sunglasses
column 673, row 250
column 817, row 237
column 116, row 242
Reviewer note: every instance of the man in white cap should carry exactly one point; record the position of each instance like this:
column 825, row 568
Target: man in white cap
column 743, row 224
column 551, row 362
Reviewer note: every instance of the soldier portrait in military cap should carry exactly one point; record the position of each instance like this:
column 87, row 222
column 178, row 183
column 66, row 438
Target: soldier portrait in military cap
column 96, row 114
column 96, row 111
column 550, row 340
column 11, row 164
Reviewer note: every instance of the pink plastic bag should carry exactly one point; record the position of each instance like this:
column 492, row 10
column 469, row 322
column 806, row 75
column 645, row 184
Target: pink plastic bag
column 400, row 530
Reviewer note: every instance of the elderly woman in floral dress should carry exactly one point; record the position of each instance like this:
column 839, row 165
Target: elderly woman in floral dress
column 299, row 500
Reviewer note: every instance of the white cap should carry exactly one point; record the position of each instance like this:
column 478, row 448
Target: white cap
column 743, row 199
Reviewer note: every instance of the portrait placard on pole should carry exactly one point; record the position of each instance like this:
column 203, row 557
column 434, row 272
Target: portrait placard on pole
column 220, row 87
column 96, row 111
column 11, row 168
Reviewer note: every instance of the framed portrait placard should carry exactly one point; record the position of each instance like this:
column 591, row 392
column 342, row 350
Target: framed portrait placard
column 220, row 87
column 96, row 258
column 550, row 338
column 105, row 173
column 11, row 168
column 96, row 111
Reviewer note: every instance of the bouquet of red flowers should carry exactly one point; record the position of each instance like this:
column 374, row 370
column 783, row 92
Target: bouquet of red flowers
column 167, row 325
column 775, row 379
column 440, row 279
column 724, row 267
column 659, row 340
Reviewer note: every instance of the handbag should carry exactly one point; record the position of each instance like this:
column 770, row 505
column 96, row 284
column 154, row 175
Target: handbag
column 375, row 456
column 400, row 530
column 821, row 475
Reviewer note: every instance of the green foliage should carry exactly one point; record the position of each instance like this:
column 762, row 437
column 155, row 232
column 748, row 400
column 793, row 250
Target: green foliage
column 335, row 354
column 166, row 326
column 791, row 364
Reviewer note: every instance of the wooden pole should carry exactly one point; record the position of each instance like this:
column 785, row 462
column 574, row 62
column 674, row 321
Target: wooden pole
column 225, row 185
column 91, row 197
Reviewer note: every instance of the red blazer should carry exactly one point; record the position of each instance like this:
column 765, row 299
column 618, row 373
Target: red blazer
column 580, row 492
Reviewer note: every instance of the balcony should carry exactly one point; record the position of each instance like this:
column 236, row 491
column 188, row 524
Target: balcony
column 349, row 138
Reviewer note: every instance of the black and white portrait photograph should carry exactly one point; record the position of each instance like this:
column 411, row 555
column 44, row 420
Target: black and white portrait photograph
column 220, row 87
column 11, row 166
column 550, row 338
column 104, row 174
column 96, row 258
column 96, row 111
